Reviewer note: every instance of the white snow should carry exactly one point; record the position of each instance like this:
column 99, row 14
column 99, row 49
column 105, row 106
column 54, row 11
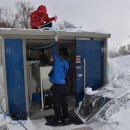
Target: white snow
column 61, row 27
column 89, row 91
column 119, row 82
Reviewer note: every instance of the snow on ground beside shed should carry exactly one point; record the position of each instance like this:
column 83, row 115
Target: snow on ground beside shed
column 118, row 121
column 117, row 89
column 119, row 68
column 119, row 77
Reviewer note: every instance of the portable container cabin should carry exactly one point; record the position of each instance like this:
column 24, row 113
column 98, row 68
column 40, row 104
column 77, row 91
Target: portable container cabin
column 24, row 76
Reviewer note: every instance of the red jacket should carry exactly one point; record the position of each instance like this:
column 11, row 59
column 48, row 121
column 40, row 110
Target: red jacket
column 39, row 17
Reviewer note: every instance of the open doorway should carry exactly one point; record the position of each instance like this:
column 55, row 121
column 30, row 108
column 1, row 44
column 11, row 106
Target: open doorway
column 38, row 63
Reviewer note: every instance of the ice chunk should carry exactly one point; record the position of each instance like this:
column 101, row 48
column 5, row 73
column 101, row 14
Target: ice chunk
column 89, row 91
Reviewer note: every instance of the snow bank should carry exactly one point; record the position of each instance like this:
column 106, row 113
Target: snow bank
column 119, row 82
column 118, row 76
column 119, row 85
column 119, row 68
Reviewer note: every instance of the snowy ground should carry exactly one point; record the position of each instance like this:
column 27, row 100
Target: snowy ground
column 119, row 77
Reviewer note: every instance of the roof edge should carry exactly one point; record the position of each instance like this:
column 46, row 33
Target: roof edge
column 35, row 32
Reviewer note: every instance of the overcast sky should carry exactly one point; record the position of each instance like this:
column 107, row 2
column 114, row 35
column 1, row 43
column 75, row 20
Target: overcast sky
column 111, row 16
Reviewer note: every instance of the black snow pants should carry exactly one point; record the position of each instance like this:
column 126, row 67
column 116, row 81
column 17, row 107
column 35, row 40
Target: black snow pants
column 59, row 95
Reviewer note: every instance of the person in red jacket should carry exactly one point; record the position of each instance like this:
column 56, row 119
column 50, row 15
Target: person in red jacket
column 39, row 18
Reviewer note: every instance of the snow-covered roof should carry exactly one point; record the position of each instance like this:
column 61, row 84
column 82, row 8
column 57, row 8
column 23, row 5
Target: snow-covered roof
column 50, row 33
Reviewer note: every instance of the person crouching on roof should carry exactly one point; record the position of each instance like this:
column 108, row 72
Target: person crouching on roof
column 59, row 88
column 39, row 18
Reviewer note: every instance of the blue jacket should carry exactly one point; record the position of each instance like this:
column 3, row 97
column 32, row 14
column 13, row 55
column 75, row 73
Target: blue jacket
column 59, row 69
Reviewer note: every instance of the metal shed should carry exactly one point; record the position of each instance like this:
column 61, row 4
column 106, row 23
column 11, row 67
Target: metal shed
column 87, row 55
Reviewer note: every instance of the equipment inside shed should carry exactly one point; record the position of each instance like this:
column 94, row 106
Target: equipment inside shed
column 39, row 61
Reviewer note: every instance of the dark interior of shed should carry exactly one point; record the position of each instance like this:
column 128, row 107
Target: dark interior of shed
column 37, row 55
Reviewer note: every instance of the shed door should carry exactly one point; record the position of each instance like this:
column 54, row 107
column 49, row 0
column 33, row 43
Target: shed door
column 91, row 51
column 15, row 75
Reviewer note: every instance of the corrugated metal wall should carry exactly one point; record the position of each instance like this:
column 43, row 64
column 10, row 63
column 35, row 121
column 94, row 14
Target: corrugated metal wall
column 91, row 51
column 15, row 75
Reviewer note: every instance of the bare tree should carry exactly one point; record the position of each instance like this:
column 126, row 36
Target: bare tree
column 1, row 12
column 113, row 53
column 128, row 48
column 1, row 17
column 123, row 50
column 6, row 17
column 23, row 10
column 19, row 19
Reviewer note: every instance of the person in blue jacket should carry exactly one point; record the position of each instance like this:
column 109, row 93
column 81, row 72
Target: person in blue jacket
column 59, row 88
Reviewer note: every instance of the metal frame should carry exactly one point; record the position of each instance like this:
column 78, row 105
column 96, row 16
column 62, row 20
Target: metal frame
column 84, row 73
column 4, row 73
column 105, row 56
column 28, row 35
column 25, row 76
column 105, row 63
column 49, row 33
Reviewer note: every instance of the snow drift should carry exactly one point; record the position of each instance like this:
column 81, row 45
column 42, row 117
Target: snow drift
column 103, row 103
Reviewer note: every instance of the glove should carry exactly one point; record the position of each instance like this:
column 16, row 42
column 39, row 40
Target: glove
column 56, row 38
